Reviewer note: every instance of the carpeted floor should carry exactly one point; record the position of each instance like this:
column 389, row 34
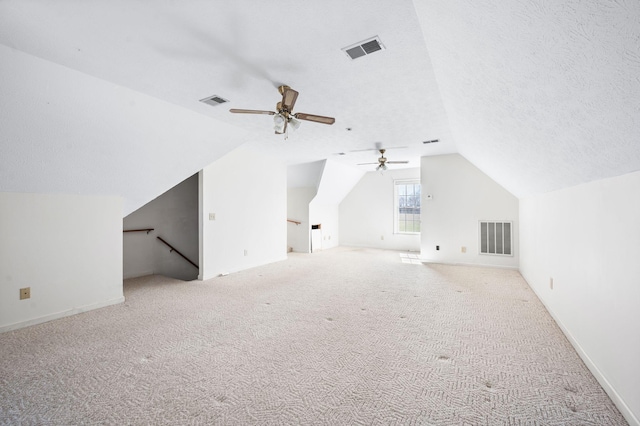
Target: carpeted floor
column 345, row 336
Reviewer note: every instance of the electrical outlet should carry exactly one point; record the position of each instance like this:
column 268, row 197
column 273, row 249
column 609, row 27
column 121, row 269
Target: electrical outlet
column 246, row 252
column 382, row 237
column 551, row 283
column 25, row 293
column 212, row 216
column 437, row 247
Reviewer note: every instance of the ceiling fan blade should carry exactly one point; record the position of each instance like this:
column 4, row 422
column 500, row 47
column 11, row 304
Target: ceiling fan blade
column 315, row 118
column 289, row 97
column 365, row 164
column 397, row 162
column 363, row 150
column 250, row 111
column 378, row 148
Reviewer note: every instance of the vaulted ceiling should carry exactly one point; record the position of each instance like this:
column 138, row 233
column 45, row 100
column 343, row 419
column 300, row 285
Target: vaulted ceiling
column 103, row 96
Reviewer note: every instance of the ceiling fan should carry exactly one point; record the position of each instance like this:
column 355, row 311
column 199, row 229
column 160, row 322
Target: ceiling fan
column 382, row 161
column 283, row 116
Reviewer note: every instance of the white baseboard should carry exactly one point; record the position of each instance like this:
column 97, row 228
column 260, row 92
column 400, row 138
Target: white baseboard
column 608, row 388
column 202, row 277
column 136, row 274
column 62, row 314
column 478, row 265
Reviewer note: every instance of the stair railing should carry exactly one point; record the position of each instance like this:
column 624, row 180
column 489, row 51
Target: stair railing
column 147, row 230
column 174, row 249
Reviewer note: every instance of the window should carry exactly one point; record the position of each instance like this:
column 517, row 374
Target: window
column 495, row 238
column 407, row 206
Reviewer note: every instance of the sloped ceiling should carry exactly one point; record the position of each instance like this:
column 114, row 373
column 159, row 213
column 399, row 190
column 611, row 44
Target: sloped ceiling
column 539, row 96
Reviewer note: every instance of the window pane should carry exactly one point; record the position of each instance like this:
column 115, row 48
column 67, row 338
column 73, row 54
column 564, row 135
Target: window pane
column 408, row 207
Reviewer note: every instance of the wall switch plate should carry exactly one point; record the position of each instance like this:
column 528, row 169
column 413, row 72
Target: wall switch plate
column 463, row 249
column 25, row 293
column 246, row 252
column 382, row 237
column 551, row 283
column 212, row 216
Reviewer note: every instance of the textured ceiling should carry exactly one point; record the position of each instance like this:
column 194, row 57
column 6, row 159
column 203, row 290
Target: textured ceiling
column 538, row 95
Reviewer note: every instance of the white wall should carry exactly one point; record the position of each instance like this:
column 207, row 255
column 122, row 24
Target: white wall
column 248, row 194
column 587, row 239
column 67, row 248
column 298, row 200
column 71, row 133
column 174, row 218
column 367, row 213
column 462, row 195
column 336, row 182
column 328, row 217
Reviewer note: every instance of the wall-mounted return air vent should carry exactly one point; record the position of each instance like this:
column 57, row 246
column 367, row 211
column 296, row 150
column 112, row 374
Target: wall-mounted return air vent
column 431, row 141
column 496, row 238
column 214, row 100
column 363, row 48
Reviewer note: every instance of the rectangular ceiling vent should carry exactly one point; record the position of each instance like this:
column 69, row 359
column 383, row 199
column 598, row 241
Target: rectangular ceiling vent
column 363, row 48
column 431, row 141
column 214, row 100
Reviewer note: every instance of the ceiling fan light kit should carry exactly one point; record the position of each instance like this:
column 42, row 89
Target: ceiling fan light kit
column 279, row 123
column 284, row 116
column 294, row 123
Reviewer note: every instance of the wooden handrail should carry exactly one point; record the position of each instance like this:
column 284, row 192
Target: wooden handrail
column 294, row 221
column 174, row 249
column 147, row 230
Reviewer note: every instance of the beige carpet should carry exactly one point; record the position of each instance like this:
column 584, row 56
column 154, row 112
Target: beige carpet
column 346, row 336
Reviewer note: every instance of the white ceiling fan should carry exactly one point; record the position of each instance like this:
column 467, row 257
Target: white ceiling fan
column 283, row 115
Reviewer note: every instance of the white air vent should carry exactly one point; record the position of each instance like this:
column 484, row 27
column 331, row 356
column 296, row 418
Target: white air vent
column 431, row 141
column 363, row 48
column 214, row 100
column 496, row 238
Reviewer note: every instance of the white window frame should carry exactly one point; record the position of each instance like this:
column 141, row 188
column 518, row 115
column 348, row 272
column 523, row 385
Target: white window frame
column 396, row 207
